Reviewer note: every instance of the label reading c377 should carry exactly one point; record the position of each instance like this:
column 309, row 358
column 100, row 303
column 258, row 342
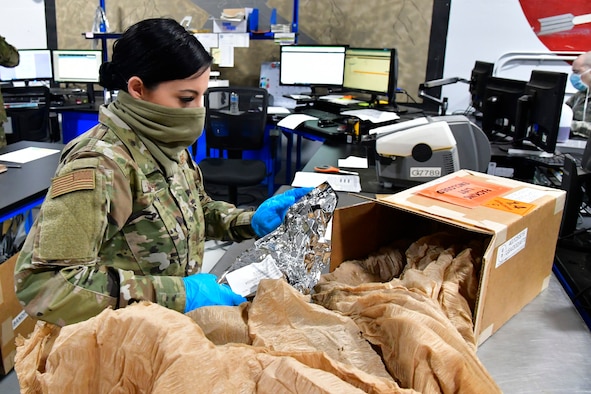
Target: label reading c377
column 425, row 172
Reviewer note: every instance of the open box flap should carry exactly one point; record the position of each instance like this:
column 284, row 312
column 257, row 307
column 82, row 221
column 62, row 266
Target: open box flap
column 494, row 215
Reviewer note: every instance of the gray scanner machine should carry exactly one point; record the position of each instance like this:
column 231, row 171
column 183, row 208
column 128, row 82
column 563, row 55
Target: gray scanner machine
column 426, row 148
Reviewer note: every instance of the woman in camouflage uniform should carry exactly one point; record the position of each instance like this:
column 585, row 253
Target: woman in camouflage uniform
column 8, row 58
column 126, row 216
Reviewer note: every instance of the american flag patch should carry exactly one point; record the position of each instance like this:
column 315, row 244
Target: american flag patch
column 75, row 180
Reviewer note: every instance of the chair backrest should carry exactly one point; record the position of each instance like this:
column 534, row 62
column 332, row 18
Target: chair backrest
column 28, row 110
column 235, row 131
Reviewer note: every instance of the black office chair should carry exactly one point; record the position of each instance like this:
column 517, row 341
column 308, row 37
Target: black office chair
column 28, row 111
column 230, row 133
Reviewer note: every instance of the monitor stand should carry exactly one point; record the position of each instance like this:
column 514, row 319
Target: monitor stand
column 90, row 92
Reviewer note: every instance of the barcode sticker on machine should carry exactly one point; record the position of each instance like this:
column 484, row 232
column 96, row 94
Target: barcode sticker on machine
column 425, row 172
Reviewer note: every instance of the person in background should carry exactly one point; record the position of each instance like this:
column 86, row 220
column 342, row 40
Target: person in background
column 579, row 102
column 126, row 216
column 9, row 57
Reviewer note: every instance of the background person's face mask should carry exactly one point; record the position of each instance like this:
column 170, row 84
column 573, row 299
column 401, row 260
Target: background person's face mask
column 575, row 80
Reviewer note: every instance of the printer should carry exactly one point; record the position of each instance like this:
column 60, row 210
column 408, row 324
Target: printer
column 426, row 148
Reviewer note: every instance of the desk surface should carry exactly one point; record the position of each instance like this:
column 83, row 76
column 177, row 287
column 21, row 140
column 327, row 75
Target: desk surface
column 30, row 182
column 312, row 130
column 330, row 153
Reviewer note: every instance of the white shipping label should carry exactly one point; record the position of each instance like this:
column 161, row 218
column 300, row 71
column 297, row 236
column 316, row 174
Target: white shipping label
column 18, row 319
column 245, row 280
column 511, row 247
column 526, row 194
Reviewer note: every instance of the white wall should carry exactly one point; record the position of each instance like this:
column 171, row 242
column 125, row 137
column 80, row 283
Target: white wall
column 22, row 22
column 484, row 30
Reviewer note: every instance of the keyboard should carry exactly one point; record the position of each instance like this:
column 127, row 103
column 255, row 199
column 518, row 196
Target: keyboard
column 298, row 96
column 317, row 113
column 556, row 161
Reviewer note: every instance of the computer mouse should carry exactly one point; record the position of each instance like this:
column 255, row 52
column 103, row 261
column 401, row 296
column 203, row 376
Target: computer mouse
column 326, row 123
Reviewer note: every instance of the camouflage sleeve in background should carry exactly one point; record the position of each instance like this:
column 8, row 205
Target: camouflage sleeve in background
column 8, row 54
column 9, row 57
column 579, row 127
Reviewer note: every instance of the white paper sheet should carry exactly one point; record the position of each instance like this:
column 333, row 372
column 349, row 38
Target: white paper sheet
column 236, row 40
column 223, row 56
column 26, row 155
column 294, row 120
column 245, row 280
column 277, row 110
column 373, row 115
column 353, row 162
column 208, row 40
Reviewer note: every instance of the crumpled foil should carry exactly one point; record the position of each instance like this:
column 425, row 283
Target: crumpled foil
column 298, row 247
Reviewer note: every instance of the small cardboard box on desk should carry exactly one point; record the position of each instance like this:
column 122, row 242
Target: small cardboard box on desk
column 14, row 320
column 517, row 222
column 233, row 20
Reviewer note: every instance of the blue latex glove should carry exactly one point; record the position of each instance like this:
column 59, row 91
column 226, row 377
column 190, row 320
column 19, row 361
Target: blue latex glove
column 204, row 290
column 271, row 212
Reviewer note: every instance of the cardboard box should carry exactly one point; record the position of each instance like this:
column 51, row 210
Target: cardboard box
column 14, row 320
column 229, row 26
column 236, row 13
column 233, row 20
column 518, row 222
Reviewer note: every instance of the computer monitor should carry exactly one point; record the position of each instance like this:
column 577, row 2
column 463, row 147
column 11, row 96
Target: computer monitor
column 499, row 106
column 311, row 65
column 576, row 182
column 371, row 70
column 34, row 65
column 76, row 66
column 539, row 109
column 481, row 72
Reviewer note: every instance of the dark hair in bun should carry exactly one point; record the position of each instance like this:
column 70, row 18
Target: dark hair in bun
column 108, row 77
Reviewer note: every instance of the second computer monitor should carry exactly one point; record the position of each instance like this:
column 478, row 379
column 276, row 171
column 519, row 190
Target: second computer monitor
column 539, row 109
column 371, row 70
column 34, row 65
column 77, row 66
column 481, row 72
column 499, row 106
column 311, row 65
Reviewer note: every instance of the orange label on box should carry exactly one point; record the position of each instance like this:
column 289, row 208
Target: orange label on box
column 513, row 206
column 465, row 192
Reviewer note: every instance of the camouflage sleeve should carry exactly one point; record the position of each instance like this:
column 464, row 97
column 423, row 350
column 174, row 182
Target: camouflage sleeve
column 223, row 221
column 9, row 56
column 60, row 276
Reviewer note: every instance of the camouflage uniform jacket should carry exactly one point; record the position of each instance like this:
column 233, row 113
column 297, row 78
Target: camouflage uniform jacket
column 8, row 58
column 577, row 103
column 113, row 230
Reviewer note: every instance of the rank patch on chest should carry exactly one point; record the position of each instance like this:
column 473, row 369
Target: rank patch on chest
column 73, row 181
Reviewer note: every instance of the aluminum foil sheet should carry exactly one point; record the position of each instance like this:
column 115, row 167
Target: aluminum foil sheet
column 298, row 247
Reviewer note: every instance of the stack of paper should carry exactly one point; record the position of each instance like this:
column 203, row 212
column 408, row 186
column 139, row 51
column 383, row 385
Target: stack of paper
column 373, row 115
